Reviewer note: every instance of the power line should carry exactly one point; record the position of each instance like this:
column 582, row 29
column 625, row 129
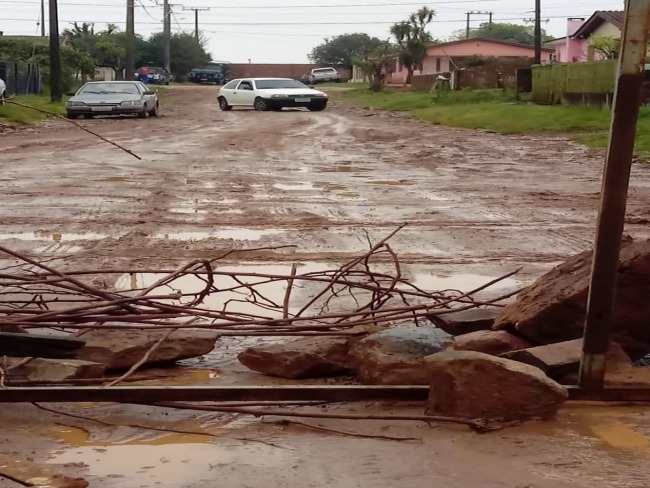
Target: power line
column 257, row 7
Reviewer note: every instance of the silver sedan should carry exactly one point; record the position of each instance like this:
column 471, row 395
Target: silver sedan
column 113, row 98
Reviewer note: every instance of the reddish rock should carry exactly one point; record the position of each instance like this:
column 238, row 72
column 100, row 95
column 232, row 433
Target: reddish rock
column 468, row 384
column 556, row 360
column 121, row 349
column 553, row 309
column 493, row 342
column 312, row 357
column 396, row 356
column 466, row 321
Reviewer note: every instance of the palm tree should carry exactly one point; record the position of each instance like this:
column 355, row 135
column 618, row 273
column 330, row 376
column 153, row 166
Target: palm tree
column 413, row 39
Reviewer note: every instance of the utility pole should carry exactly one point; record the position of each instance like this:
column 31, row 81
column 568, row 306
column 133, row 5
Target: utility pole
column 130, row 40
column 538, row 32
column 167, row 33
column 56, row 84
column 42, row 18
column 469, row 16
column 196, row 19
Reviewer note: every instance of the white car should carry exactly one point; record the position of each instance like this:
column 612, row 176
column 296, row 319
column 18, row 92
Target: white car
column 270, row 94
column 3, row 90
column 323, row 75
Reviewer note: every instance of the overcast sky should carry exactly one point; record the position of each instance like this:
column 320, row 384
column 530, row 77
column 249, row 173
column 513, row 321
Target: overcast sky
column 285, row 31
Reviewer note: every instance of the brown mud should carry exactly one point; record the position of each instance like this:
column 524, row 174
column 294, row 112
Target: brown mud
column 478, row 205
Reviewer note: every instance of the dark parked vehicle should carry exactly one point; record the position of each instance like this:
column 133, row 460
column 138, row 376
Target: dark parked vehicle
column 214, row 73
column 160, row 76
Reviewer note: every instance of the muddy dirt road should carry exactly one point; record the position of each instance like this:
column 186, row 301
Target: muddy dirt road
column 477, row 205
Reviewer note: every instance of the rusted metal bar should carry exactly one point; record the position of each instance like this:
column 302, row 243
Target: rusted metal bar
column 326, row 393
column 633, row 395
column 616, row 178
column 155, row 394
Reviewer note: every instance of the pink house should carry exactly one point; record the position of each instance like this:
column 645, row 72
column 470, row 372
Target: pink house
column 570, row 49
column 440, row 57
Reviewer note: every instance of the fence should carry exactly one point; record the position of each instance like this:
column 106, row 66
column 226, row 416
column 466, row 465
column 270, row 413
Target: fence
column 579, row 83
column 21, row 78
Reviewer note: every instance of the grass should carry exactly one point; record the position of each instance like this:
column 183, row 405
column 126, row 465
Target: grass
column 341, row 85
column 16, row 115
column 497, row 110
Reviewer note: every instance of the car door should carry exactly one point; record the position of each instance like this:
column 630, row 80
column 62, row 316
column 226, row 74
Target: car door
column 149, row 100
column 245, row 94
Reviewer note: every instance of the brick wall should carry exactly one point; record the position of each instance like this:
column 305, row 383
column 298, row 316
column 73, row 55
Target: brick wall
column 276, row 70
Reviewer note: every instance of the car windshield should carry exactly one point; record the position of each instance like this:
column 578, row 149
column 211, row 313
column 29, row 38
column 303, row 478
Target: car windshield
column 274, row 84
column 108, row 88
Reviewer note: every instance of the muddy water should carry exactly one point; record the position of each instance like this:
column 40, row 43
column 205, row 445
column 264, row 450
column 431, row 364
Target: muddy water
column 478, row 205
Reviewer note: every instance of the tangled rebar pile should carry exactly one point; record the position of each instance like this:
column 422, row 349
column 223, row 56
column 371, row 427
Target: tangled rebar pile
column 34, row 294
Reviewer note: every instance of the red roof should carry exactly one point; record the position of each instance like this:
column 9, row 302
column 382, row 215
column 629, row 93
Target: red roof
column 493, row 41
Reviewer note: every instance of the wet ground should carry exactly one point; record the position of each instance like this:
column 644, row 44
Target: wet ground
column 477, row 205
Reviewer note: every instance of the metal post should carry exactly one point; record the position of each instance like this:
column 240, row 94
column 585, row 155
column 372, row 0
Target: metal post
column 167, row 34
column 56, row 83
column 130, row 40
column 196, row 24
column 467, row 28
column 42, row 18
column 538, row 32
column 616, row 178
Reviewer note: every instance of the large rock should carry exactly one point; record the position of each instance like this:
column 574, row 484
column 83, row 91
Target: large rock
column 39, row 369
column 475, row 385
column 493, row 342
column 553, row 309
column 312, row 357
column 121, row 349
column 465, row 321
column 396, row 356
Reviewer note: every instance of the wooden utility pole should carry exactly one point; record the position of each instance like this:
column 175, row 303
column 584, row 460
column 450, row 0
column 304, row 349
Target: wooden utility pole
column 42, row 18
column 167, row 34
column 538, row 32
column 130, row 40
column 196, row 19
column 56, row 84
column 469, row 17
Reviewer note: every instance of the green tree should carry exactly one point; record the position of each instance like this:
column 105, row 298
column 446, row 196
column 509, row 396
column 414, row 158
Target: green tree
column 413, row 39
column 378, row 64
column 344, row 50
column 607, row 47
column 73, row 61
column 186, row 52
column 502, row 31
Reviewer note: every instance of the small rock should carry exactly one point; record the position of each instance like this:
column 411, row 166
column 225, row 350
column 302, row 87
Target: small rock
column 39, row 369
column 466, row 321
column 396, row 356
column 556, row 360
column 493, row 342
column 312, row 357
column 121, row 349
column 468, row 384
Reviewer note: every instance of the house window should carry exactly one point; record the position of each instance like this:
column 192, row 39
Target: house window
column 437, row 65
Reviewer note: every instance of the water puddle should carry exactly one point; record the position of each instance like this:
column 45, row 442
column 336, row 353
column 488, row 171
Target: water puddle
column 234, row 233
column 305, row 186
column 343, row 169
column 113, row 179
column 79, row 437
column 391, row 183
column 47, row 235
column 271, row 293
column 462, row 282
column 176, row 465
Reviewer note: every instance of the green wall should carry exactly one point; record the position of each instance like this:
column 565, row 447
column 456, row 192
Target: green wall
column 570, row 83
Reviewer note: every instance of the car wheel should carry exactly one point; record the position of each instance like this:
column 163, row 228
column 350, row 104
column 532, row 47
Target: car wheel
column 144, row 113
column 71, row 116
column 260, row 105
column 155, row 111
column 317, row 107
column 223, row 104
